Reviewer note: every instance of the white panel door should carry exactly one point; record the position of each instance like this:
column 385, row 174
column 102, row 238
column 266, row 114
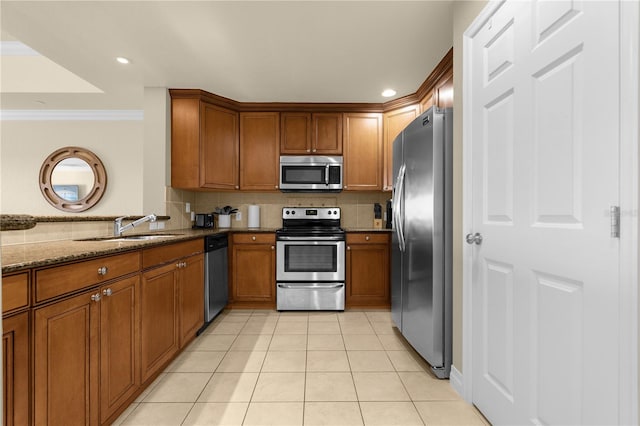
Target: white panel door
column 545, row 138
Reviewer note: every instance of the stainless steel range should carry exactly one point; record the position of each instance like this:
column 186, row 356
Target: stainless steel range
column 310, row 265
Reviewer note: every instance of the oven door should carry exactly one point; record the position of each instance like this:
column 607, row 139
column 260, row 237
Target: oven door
column 312, row 259
column 310, row 296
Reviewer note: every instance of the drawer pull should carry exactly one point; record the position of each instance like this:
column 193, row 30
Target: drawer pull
column 96, row 297
column 103, row 270
column 367, row 238
column 107, row 292
column 348, row 247
column 253, row 238
column 273, row 247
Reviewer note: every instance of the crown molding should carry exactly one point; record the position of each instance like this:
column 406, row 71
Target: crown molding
column 71, row 115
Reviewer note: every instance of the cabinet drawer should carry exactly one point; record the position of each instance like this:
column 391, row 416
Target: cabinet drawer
column 164, row 254
column 15, row 292
column 59, row 280
column 367, row 238
column 249, row 238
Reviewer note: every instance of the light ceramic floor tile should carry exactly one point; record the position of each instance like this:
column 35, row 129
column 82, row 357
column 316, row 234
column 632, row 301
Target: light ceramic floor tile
column 379, row 387
column 384, row 327
column 251, row 342
column 196, row 362
column 280, row 387
column 288, row 342
column 356, row 328
column 390, row 414
column 352, row 315
column 369, row 361
column 330, row 387
column 149, row 388
column 323, row 317
column 379, row 316
column 293, row 316
column 362, row 342
column 252, row 327
column 158, row 414
column 229, row 387
column 325, row 342
column 327, row 361
column 125, row 414
column 332, row 413
column 242, row 362
column 293, row 327
column 233, row 318
column 393, row 342
column 407, row 361
column 216, row 413
column 179, row 387
column 265, row 313
column 424, row 387
column 285, row 361
column 449, row 413
column 274, row 414
column 212, row 342
column 324, row 328
column 224, row 328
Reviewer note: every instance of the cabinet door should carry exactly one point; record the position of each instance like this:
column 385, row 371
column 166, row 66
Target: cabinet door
column 66, row 362
column 254, row 272
column 158, row 318
column 119, row 344
column 191, row 297
column 219, row 147
column 259, row 151
column 295, row 133
column 394, row 123
column 368, row 271
column 185, row 143
column 327, row 133
column 363, row 152
column 15, row 358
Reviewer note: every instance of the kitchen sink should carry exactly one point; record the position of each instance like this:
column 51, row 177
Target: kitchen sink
column 134, row 237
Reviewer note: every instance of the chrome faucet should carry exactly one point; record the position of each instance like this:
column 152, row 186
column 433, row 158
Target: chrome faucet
column 118, row 229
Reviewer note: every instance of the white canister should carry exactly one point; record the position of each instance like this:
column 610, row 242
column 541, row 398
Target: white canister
column 224, row 221
column 253, row 216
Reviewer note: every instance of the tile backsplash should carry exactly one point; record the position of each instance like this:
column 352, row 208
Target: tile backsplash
column 357, row 212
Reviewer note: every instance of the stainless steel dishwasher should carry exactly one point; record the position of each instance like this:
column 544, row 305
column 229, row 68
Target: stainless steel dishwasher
column 216, row 289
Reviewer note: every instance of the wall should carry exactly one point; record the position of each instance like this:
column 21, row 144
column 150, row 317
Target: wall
column 464, row 12
column 27, row 143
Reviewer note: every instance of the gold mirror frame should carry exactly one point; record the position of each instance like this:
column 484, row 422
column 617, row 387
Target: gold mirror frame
column 99, row 181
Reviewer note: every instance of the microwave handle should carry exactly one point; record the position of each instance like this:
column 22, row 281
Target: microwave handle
column 326, row 175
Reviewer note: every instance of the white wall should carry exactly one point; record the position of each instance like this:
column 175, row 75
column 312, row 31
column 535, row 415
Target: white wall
column 25, row 144
column 157, row 149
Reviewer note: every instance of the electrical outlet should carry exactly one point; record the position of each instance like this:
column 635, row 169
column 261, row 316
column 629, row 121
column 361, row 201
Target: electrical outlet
column 153, row 226
column 160, row 225
column 187, row 207
column 238, row 216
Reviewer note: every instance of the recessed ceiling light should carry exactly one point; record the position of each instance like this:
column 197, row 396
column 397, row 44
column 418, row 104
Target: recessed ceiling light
column 387, row 93
column 122, row 60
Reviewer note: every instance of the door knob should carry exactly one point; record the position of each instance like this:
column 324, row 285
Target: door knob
column 474, row 238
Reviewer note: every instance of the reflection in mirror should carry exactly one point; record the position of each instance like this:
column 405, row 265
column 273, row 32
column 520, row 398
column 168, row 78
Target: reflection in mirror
column 72, row 179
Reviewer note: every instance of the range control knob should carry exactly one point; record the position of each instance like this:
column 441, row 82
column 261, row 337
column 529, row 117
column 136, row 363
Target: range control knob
column 329, row 211
column 287, row 212
column 335, row 212
column 293, row 212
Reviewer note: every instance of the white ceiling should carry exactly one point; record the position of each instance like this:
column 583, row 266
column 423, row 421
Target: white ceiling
column 265, row 51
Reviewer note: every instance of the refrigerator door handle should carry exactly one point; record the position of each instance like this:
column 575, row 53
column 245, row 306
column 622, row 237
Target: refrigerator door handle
column 398, row 214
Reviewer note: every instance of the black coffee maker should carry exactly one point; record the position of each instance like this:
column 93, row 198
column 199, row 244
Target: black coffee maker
column 389, row 215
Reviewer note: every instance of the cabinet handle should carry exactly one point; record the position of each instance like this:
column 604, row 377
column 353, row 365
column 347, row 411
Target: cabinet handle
column 107, row 292
column 103, row 270
column 345, row 186
column 314, row 150
column 308, row 150
column 276, row 186
column 184, row 264
column 273, row 247
column 367, row 238
column 178, row 265
column 237, row 187
column 96, row 297
column 348, row 247
column 253, row 238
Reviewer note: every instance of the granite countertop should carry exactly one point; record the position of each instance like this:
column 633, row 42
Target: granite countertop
column 24, row 256
column 367, row 230
column 17, row 222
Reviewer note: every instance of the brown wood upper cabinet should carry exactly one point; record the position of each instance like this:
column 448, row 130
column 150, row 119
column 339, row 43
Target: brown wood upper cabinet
column 259, row 151
column 204, row 145
column 363, row 153
column 311, row 133
column 394, row 122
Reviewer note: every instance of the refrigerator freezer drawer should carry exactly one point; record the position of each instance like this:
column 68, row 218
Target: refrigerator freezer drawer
column 327, row 296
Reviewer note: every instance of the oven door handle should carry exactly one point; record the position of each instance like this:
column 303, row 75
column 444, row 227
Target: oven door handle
column 311, row 287
column 308, row 239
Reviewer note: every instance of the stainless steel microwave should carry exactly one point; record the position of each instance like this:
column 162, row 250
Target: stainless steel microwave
column 310, row 173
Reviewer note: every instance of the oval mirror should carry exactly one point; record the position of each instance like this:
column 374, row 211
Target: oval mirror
column 73, row 179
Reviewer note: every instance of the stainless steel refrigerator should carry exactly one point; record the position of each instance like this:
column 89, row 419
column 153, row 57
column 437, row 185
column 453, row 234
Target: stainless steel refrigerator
column 422, row 236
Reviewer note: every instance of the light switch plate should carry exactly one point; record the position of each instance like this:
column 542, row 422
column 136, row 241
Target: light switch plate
column 238, row 216
column 187, row 207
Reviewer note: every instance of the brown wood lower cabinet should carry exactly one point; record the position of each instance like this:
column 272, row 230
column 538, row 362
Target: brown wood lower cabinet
column 15, row 356
column 191, row 300
column 253, row 263
column 66, row 348
column 367, row 270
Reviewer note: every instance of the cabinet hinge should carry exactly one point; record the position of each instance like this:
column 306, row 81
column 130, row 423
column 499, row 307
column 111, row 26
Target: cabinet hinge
column 615, row 221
